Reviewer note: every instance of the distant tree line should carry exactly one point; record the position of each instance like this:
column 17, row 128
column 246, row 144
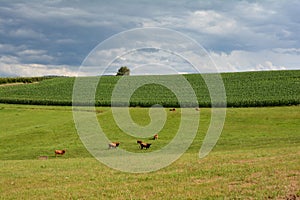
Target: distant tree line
column 23, row 79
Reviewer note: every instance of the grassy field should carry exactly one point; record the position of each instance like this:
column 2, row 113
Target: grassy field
column 244, row 89
column 256, row 157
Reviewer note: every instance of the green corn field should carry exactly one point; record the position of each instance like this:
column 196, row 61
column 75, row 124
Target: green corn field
column 243, row 89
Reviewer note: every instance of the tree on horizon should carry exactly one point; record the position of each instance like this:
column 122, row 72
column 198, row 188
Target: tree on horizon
column 123, row 71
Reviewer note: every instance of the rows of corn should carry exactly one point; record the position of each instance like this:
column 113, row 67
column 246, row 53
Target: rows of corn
column 243, row 89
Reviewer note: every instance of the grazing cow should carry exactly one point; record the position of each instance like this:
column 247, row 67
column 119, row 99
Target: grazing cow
column 143, row 144
column 60, row 152
column 155, row 137
column 113, row 145
column 197, row 109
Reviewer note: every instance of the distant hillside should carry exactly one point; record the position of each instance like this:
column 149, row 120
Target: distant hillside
column 243, row 89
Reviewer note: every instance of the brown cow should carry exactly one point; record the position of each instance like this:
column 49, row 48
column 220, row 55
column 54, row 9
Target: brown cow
column 113, row 145
column 143, row 144
column 139, row 141
column 60, row 152
column 155, row 137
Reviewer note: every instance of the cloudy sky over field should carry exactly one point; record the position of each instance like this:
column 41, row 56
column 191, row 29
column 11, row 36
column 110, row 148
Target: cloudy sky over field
column 54, row 37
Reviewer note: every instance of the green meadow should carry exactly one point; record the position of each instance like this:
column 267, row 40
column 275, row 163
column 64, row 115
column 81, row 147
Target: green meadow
column 256, row 157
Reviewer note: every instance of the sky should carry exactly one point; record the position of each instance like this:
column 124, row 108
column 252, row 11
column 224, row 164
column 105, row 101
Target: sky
column 57, row 37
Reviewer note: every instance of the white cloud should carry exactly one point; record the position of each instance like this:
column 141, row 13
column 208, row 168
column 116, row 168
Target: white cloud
column 8, row 48
column 23, row 54
column 8, row 60
column 276, row 59
column 26, row 33
column 35, row 56
column 65, row 41
column 268, row 65
column 211, row 22
column 29, row 52
column 11, row 66
column 202, row 21
column 139, row 59
column 30, row 70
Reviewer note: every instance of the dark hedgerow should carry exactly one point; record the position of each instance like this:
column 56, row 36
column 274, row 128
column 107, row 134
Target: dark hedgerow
column 23, row 79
